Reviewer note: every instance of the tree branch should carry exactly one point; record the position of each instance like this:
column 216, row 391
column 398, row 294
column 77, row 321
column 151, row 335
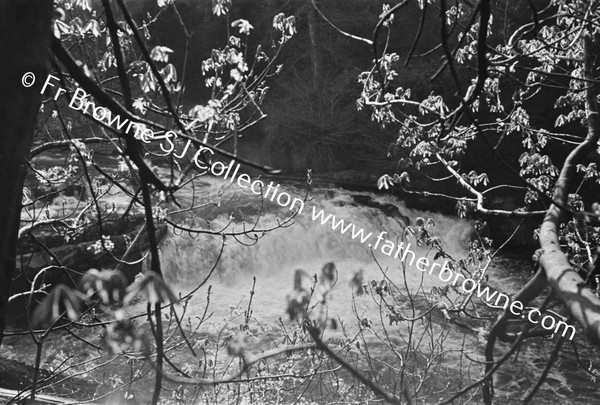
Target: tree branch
column 480, row 208
column 247, row 364
column 372, row 385
column 570, row 288
column 109, row 102
column 344, row 33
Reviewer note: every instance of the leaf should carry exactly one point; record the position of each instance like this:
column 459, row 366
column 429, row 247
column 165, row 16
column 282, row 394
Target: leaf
column 60, row 28
column 290, row 24
column 140, row 105
column 27, row 197
column 108, row 285
column 151, row 287
column 83, row 4
column 220, row 7
column 77, row 25
column 278, row 21
column 93, row 27
column 461, row 209
column 202, row 113
column 299, row 274
column 243, row 25
column 160, row 53
column 329, row 273
column 385, row 181
column 297, row 303
column 148, row 81
column 358, row 282
column 366, row 323
column 169, row 73
column 404, row 178
column 235, row 75
column 122, row 335
column 62, row 300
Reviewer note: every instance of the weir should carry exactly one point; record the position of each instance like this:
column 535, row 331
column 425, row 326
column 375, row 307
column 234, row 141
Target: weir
column 306, row 244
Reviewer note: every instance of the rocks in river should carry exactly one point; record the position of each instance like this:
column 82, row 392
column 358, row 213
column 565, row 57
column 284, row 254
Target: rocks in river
column 64, row 254
column 71, row 252
column 389, row 210
column 351, row 179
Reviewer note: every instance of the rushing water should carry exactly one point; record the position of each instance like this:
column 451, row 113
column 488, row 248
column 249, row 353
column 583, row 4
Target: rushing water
column 306, row 244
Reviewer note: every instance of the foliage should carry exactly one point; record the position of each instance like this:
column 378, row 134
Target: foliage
column 113, row 55
column 109, row 51
column 538, row 63
column 524, row 96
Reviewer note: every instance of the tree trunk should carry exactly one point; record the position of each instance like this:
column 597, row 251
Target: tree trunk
column 580, row 300
column 25, row 32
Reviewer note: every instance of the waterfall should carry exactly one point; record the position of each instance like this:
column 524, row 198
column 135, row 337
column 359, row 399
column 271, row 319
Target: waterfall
column 304, row 244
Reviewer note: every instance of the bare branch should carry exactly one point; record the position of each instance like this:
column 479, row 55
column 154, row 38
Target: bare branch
column 249, row 362
column 344, row 33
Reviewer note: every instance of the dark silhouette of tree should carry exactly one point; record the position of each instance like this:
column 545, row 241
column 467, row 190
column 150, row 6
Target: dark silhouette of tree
column 25, row 27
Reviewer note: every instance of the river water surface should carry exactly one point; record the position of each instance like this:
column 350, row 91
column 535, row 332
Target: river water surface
column 308, row 245
column 301, row 243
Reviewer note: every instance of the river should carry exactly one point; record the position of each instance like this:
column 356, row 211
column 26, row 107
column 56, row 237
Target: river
column 272, row 261
column 309, row 245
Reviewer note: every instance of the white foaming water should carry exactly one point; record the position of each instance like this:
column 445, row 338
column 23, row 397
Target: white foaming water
column 307, row 245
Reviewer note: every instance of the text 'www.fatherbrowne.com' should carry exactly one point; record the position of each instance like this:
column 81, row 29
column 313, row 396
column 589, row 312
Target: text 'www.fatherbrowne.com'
column 444, row 272
column 81, row 101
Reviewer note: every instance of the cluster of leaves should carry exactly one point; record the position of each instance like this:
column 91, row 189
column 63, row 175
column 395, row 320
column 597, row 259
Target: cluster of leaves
column 107, row 291
column 580, row 238
column 237, row 83
column 538, row 62
column 299, row 301
column 124, row 61
column 55, row 175
column 235, row 74
column 421, row 231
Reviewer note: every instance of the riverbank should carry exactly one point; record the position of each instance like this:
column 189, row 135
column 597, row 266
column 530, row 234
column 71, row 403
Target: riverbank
column 16, row 377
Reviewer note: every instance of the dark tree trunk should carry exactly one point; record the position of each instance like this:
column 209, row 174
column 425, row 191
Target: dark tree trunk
column 25, row 32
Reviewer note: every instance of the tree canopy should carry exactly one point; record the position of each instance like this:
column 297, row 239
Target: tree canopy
column 492, row 109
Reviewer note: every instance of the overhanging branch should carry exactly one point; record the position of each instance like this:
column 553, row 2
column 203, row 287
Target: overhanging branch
column 581, row 302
